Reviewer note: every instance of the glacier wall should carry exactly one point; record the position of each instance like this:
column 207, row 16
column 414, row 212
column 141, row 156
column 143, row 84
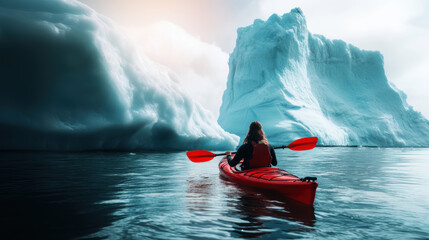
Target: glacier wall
column 298, row 84
column 70, row 81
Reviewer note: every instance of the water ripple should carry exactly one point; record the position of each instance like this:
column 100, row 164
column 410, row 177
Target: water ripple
column 363, row 193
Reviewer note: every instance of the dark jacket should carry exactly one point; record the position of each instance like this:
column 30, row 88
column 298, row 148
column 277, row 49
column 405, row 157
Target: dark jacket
column 246, row 152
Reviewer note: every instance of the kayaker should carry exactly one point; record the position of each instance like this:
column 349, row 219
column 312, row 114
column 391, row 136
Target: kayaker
column 255, row 151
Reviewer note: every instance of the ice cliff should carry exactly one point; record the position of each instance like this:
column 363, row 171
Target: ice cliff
column 299, row 84
column 70, row 81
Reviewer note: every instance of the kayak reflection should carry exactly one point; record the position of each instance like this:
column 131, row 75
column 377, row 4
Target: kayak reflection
column 261, row 212
column 199, row 193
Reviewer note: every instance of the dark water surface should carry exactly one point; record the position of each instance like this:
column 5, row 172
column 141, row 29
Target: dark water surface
column 364, row 193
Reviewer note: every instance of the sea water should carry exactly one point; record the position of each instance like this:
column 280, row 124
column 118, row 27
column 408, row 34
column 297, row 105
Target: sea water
column 363, row 193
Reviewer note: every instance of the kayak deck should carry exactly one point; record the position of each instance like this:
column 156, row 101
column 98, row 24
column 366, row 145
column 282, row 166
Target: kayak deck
column 275, row 180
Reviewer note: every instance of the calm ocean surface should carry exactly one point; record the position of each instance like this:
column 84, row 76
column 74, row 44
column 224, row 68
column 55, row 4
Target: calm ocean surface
column 364, row 193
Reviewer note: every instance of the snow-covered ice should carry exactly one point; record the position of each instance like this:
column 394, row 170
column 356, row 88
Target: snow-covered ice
column 70, row 81
column 299, row 84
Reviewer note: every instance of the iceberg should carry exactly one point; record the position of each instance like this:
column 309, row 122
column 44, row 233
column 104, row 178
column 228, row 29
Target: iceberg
column 70, row 81
column 299, row 84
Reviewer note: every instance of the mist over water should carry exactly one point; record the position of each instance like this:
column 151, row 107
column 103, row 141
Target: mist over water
column 363, row 193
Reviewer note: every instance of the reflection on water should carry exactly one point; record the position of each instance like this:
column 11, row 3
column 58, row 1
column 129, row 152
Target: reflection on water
column 363, row 194
column 199, row 192
column 250, row 209
column 255, row 209
column 47, row 195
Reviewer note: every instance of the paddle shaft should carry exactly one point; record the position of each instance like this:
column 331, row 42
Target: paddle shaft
column 297, row 145
column 223, row 154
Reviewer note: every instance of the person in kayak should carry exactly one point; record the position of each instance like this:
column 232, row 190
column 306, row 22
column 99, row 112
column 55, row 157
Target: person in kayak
column 255, row 151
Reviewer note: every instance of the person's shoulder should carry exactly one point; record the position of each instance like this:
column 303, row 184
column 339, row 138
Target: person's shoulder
column 246, row 146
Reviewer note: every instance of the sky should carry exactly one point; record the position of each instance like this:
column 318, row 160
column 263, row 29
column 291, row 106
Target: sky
column 195, row 37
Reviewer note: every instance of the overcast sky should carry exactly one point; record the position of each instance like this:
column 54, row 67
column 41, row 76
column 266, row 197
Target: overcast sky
column 398, row 29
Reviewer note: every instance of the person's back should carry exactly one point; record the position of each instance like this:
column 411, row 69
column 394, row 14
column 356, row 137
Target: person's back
column 261, row 156
column 255, row 152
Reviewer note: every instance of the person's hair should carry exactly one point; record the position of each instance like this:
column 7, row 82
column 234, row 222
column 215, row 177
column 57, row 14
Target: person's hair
column 255, row 134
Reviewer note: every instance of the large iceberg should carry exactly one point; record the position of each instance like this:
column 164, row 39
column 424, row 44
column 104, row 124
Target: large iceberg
column 298, row 84
column 69, row 81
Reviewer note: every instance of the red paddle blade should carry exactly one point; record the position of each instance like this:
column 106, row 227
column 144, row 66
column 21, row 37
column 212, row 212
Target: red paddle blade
column 200, row 156
column 303, row 144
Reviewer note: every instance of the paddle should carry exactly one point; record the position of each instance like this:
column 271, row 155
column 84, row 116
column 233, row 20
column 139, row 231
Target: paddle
column 297, row 145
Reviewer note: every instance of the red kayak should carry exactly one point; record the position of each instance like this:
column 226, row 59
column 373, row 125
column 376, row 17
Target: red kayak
column 273, row 180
